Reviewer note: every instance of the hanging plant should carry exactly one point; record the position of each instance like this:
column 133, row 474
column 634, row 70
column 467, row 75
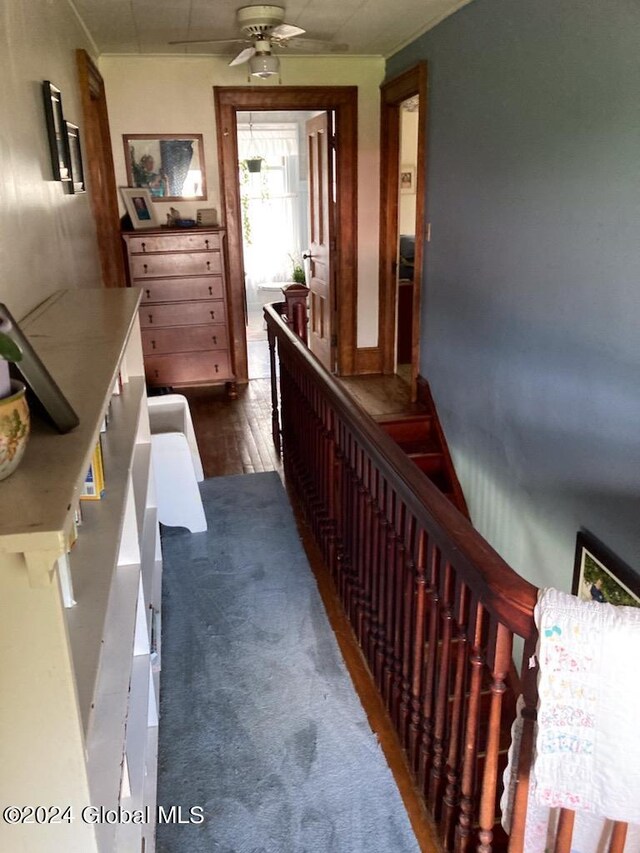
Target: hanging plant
column 244, row 202
column 253, row 164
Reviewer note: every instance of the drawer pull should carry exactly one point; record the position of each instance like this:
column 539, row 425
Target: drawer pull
column 210, row 291
column 213, row 315
column 145, row 268
column 144, row 247
column 206, row 243
column 208, row 266
column 216, row 367
column 215, row 339
column 148, row 292
column 156, row 373
column 150, row 318
column 153, row 344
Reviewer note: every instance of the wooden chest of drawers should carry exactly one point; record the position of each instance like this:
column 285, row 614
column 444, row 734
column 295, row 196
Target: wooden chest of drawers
column 183, row 313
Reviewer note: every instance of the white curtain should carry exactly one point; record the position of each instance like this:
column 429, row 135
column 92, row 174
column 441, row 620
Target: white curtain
column 271, row 203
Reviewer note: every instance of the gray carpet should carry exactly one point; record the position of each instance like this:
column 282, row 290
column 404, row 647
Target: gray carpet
column 260, row 724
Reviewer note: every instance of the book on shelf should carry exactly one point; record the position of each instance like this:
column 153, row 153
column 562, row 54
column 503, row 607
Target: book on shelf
column 93, row 488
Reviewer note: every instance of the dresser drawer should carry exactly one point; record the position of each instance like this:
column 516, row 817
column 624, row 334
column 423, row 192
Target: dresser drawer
column 173, row 243
column 182, row 314
column 170, row 290
column 186, row 263
column 187, row 368
column 184, row 339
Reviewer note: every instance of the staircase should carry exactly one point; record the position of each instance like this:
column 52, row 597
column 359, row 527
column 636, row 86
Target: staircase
column 420, row 436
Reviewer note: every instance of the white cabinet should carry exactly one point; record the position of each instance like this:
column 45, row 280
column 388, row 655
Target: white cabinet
column 79, row 685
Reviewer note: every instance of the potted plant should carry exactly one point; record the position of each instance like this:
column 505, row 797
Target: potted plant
column 14, row 411
column 297, row 272
column 254, row 164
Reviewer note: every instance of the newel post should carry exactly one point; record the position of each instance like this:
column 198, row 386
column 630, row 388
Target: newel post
column 296, row 300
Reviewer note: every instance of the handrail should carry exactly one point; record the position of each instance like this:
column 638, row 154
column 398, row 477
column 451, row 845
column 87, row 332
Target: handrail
column 433, row 606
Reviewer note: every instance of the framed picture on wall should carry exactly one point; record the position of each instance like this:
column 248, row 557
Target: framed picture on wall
column 77, row 170
column 139, row 207
column 598, row 575
column 57, row 135
column 407, row 179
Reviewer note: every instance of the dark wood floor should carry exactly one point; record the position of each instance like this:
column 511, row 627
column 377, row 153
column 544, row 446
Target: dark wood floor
column 234, row 437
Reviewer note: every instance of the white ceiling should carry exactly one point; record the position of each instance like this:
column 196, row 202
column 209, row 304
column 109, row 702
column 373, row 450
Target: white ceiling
column 369, row 27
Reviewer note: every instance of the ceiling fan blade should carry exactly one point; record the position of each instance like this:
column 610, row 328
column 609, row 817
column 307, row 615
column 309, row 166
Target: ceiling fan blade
column 285, row 31
column 212, row 41
column 314, row 45
column 244, row 56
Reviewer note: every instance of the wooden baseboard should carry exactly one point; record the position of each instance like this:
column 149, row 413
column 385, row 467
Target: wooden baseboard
column 368, row 360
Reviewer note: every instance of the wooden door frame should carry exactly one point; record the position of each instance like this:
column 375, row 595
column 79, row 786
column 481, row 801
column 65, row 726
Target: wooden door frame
column 98, row 161
column 343, row 100
column 392, row 94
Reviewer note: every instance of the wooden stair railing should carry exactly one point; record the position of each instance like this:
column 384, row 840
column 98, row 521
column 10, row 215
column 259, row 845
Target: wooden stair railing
column 433, row 607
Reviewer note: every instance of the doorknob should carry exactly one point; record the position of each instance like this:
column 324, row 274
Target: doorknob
column 305, row 256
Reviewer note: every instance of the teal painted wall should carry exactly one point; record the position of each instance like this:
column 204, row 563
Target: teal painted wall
column 531, row 310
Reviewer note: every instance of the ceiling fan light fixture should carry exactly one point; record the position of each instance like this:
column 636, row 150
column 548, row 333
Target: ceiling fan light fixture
column 264, row 65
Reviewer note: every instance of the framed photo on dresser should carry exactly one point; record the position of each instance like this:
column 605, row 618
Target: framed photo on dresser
column 139, row 207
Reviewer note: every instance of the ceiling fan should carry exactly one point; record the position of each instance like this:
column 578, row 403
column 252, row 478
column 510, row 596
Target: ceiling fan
column 264, row 28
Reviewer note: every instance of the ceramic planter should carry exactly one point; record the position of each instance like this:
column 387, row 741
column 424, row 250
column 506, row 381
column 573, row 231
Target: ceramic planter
column 14, row 428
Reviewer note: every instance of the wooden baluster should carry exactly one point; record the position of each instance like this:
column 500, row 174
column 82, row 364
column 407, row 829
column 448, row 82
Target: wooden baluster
column 442, row 691
column 500, row 660
column 400, row 517
column 382, row 578
column 419, row 638
column 564, row 832
column 338, row 489
column 275, row 414
column 451, row 798
column 525, row 758
column 374, row 590
column 349, row 531
column 333, row 473
column 432, row 613
column 407, row 628
column 329, row 475
column 369, row 538
column 618, row 837
column 361, row 509
column 322, row 470
column 389, row 598
column 467, row 784
column 343, row 551
column 350, row 605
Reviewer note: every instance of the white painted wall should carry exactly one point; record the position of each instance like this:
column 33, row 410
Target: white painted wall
column 169, row 94
column 47, row 238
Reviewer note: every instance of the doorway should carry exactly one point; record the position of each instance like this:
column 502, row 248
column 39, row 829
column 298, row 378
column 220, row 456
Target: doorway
column 402, row 220
column 274, row 199
column 342, row 101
